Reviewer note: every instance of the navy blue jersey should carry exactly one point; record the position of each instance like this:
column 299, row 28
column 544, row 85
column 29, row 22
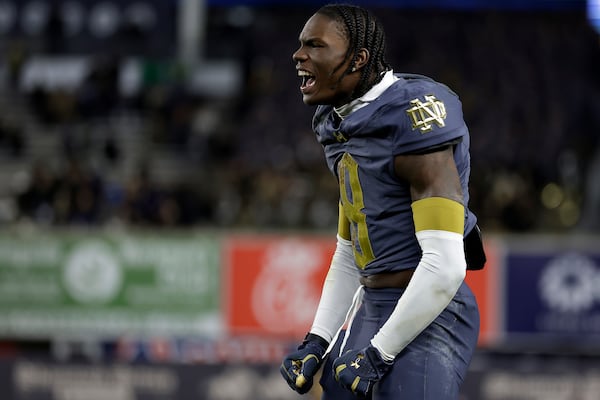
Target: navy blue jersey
column 414, row 115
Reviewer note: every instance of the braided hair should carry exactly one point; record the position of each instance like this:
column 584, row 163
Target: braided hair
column 362, row 30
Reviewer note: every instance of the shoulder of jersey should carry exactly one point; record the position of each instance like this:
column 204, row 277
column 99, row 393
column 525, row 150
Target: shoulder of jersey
column 407, row 90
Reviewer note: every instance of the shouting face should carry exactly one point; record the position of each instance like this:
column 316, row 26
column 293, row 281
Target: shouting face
column 322, row 63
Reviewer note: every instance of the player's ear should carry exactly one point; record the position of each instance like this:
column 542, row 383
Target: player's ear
column 362, row 57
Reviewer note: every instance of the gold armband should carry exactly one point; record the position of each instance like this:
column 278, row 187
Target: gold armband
column 438, row 213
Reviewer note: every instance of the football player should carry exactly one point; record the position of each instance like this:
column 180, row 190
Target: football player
column 395, row 319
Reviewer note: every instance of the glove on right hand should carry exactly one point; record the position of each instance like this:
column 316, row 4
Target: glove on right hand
column 299, row 367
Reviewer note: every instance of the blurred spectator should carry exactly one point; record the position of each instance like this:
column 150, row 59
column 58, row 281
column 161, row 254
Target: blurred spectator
column 16, row 56
column 98, row 96
column 590, row 219
column 142, row 199
column 12, row 137
column 36, row 202
column 54, row 31
column 79, row 197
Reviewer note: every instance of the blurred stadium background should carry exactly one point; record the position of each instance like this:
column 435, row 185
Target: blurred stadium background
column 167, row 217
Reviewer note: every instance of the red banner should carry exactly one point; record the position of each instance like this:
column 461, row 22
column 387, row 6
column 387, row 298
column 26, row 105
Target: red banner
column 272, row 285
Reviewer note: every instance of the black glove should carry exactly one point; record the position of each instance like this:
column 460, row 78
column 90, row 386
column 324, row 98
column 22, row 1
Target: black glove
column 299, row 368
column 359, row 370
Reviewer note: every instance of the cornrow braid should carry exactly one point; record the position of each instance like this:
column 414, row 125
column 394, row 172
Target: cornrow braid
column 362, row 30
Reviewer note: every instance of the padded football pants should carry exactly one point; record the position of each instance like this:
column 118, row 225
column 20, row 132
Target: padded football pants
column 431, row 367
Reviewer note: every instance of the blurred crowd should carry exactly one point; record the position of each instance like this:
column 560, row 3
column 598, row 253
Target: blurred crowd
column 528, row 81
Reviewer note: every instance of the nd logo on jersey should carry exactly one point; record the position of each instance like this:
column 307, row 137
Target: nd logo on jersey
column 423, row 114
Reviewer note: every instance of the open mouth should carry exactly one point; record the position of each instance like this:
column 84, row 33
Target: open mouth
column 308, row 80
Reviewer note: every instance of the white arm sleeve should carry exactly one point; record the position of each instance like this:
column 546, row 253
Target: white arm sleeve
column 433, row 285
column 341, row 283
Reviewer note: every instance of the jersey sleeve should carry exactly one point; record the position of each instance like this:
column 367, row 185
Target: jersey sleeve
column 429, row 116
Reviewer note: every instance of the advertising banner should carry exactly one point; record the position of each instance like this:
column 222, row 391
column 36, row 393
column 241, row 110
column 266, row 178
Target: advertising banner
column 553, row 293
column 106, row 286
column 50, row 380
column 491, row 377
column 485, row 286
column 532, row 376
column 272, row 285
column 199, row 350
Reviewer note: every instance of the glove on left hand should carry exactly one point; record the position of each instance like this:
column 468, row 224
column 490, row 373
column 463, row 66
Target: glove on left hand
column 359, row 370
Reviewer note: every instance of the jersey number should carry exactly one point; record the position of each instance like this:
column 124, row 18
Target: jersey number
column 352, row 203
